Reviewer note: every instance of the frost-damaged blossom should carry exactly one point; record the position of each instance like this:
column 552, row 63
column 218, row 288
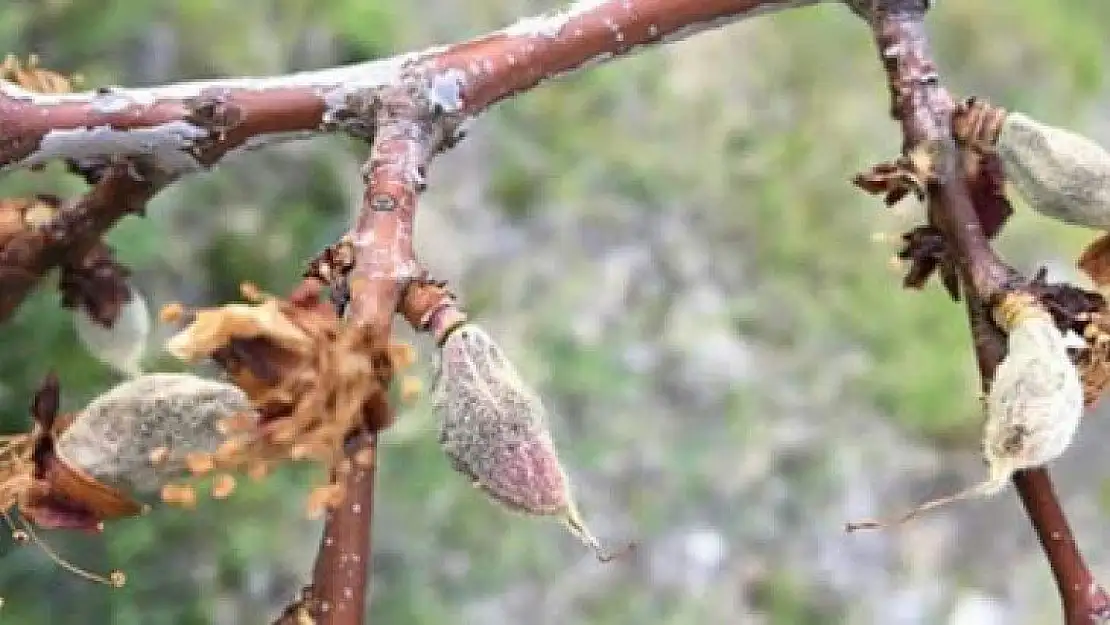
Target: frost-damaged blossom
column 314, row 379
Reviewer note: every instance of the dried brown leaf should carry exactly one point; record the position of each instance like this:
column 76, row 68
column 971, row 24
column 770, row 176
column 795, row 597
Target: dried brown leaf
column 894, row 180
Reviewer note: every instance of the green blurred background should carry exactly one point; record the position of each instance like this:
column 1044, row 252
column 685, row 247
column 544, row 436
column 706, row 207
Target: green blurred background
column 669, row 247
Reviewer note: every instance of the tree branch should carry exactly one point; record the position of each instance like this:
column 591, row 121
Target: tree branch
column 186, row 127
column 30, row 254
column 925, row 109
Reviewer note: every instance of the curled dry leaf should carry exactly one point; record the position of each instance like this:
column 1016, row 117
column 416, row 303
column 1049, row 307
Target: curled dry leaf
column 975, row 126
column 1033, row 408
column 494, row 432
column 1060, row 173
column 1087, row 314
column 894, row 180
column 314, row 379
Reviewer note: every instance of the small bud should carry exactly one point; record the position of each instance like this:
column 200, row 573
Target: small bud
column 364, row 458
column 122, row 345
column 251, row 292
column 40, row 214
column 493, row 431
column 258, row 470
column 1033, row 408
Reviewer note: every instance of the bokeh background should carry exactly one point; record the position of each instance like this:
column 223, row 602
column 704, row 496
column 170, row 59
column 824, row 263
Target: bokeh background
column 669, row 247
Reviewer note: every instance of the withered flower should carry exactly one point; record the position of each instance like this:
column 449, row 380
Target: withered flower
column 314, row 380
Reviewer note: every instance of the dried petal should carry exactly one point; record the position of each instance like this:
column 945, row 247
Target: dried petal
column 313, row 380
column 213, row 329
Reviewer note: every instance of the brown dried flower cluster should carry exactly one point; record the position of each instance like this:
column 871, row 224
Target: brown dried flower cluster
column 314, row 380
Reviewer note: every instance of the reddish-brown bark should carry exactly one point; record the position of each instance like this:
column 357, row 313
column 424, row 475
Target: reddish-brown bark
column 341, row 573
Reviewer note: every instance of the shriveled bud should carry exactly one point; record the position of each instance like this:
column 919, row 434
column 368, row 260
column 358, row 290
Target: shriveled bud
column 1033, row 408
column 494, row 432
column 173, row 418
column 122, row 345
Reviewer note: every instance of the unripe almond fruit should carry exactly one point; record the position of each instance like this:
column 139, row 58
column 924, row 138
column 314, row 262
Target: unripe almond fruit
column 493, row 431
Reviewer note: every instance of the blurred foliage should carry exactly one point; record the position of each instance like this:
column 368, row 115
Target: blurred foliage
column 748, row 148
